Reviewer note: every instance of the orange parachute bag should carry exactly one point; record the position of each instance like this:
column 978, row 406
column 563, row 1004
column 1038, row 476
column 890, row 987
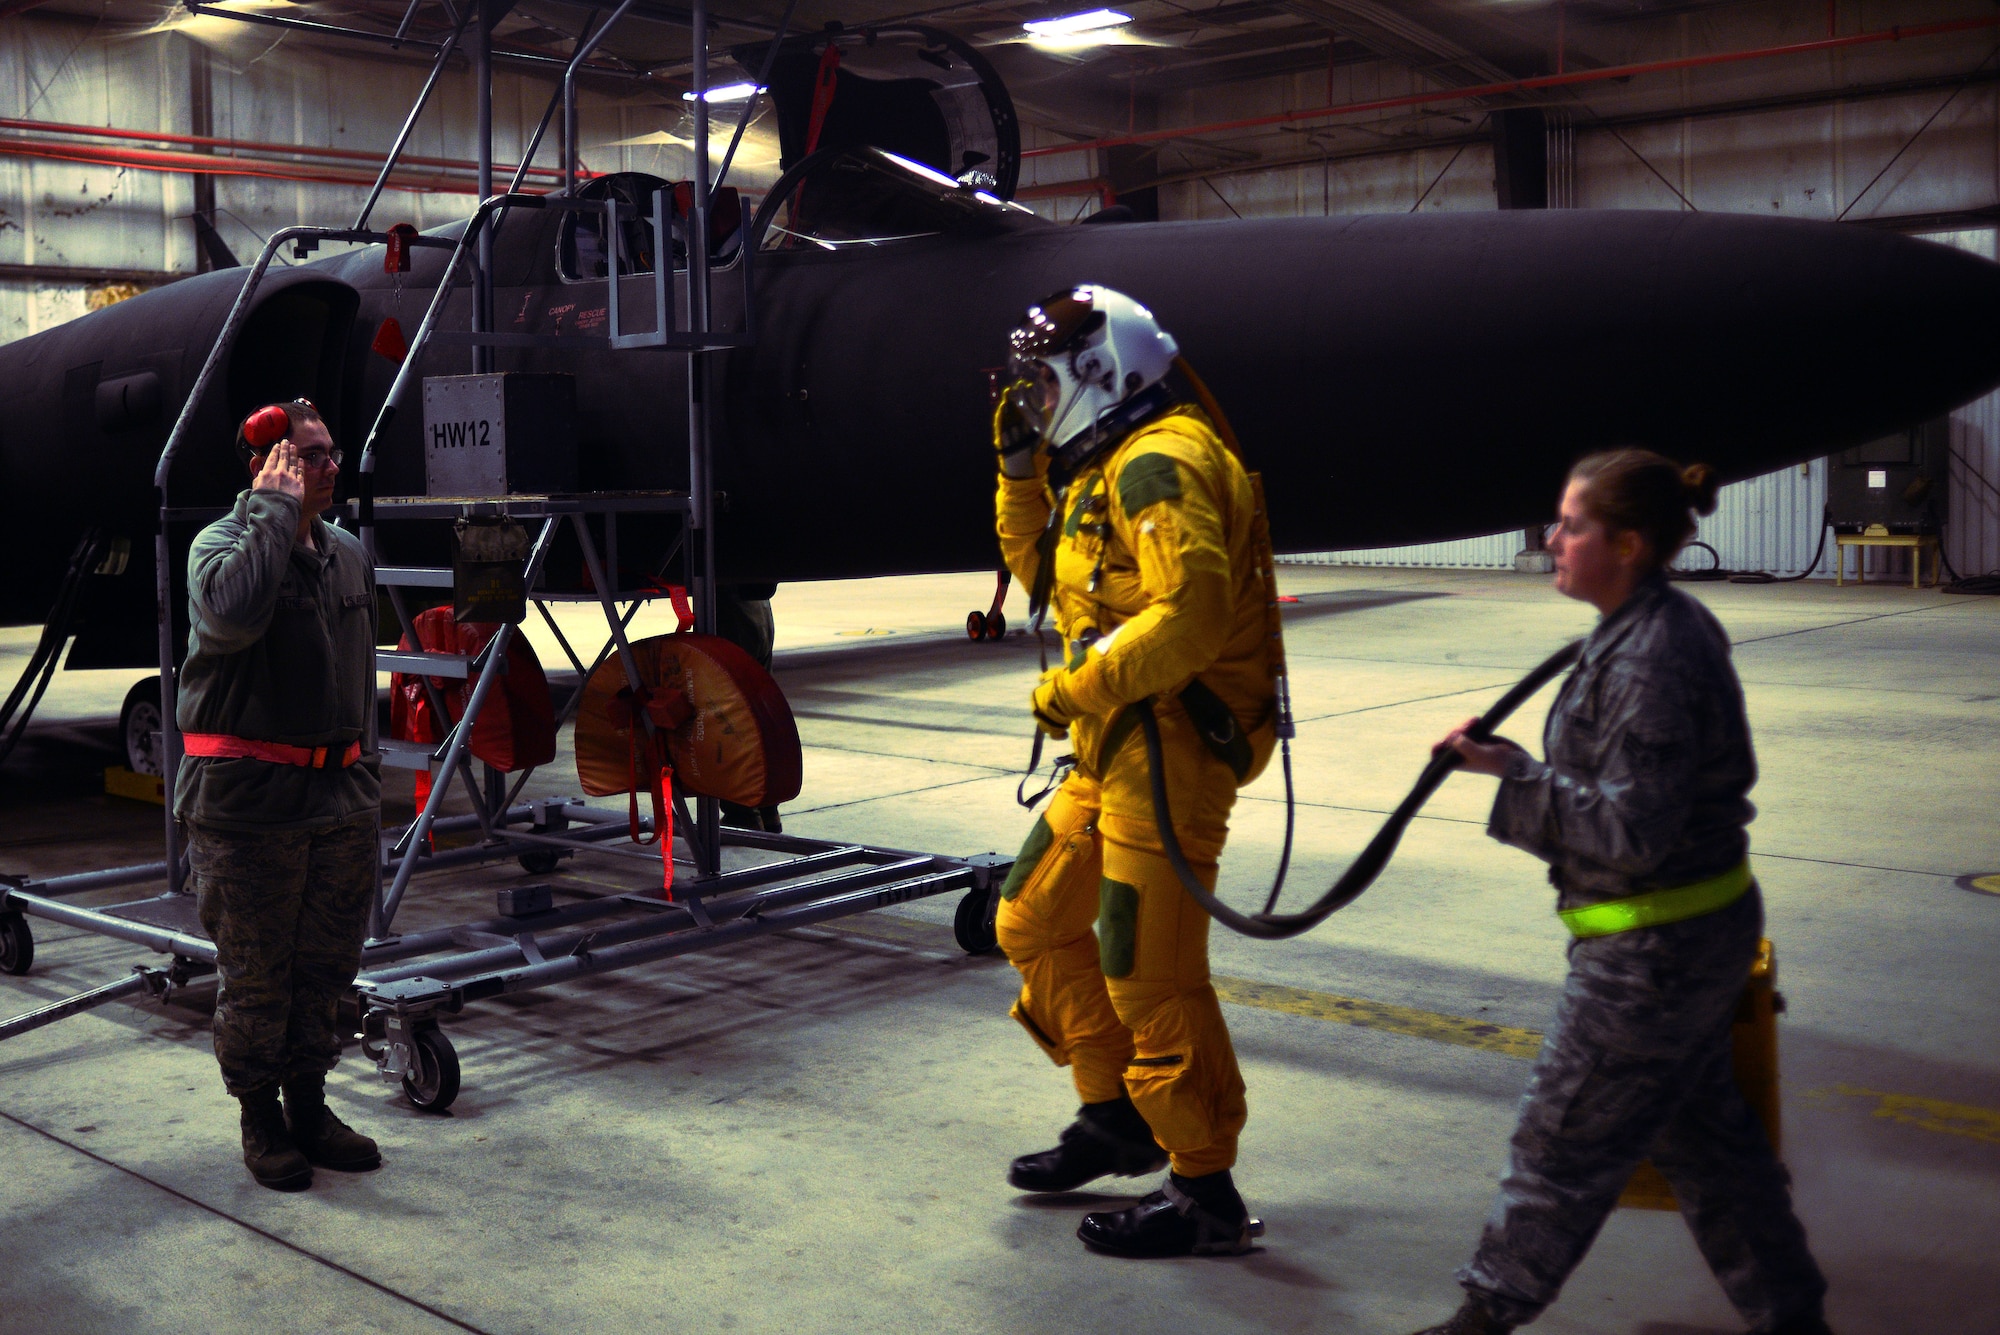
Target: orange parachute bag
column 516, row 727
column 726, row 729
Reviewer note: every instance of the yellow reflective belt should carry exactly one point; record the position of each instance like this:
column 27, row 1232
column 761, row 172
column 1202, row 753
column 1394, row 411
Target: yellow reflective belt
column 1657, row 907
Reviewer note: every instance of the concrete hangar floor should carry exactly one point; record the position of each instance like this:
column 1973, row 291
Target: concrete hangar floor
column 809, row 1133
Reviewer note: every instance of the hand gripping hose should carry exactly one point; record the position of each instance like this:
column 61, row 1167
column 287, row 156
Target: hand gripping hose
column 1361, row 874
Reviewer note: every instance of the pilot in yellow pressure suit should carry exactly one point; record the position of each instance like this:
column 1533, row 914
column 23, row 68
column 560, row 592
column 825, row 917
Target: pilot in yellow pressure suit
column 1125, row 508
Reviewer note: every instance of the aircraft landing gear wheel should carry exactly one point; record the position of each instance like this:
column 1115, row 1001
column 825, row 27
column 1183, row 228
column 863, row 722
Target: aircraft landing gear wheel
column 975, row 626
column 540, row 861
column 996, row 626
column 17, row 943
column 434, row 1083
column 139, row 727
column 972, row 926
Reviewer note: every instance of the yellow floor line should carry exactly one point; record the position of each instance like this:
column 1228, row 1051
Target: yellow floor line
column 1454, row 1029
column 1953, row 1119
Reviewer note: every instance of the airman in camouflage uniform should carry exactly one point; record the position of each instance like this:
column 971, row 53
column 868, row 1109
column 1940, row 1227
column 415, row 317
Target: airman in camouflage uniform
column 1642, row 798
column 281, row 792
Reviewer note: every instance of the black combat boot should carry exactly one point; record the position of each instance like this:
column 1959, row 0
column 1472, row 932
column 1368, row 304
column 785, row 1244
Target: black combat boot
column 268, row 1151
column 324, row 1138
column 1109, row 1137
column 1470, row 1319
column 1188, row 1216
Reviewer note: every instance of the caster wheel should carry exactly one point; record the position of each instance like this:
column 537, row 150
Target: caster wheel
column 975, row 626
column 434, row 1083
column 139, row 727
column 540, row 861
column 996, row 626
column 17, row 943
column 972, row 925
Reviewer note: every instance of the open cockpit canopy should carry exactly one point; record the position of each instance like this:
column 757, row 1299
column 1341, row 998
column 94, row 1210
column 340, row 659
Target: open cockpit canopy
column 843, row 199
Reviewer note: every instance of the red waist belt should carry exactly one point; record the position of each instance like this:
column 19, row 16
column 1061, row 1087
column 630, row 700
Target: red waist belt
column 215, row 745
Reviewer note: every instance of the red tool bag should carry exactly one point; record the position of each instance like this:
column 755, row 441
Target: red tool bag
column 516, row 728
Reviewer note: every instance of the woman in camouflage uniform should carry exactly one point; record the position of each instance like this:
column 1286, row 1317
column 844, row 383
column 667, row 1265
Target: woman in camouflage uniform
column 1639, row 811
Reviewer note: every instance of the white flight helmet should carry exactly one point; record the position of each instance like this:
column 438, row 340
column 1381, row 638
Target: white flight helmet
column 1103, row 348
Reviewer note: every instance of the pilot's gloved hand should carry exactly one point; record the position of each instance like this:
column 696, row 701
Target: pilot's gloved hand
column 1051, row 705
column 1017, row 431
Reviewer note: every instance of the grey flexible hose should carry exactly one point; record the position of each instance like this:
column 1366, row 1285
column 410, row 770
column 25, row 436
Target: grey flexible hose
column 1361, row 874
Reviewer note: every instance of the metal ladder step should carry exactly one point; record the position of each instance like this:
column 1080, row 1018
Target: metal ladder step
column 425, row 664
column 405, row 755
column 414, row 577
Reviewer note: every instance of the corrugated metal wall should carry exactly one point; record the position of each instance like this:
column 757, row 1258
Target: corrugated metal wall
column 1494, row 552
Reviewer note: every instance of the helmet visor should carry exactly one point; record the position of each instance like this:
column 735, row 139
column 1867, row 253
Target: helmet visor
column 1054, row 326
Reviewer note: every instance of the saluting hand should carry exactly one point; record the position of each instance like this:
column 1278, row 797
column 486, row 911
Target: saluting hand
column 1488, row 757
column 283, row 472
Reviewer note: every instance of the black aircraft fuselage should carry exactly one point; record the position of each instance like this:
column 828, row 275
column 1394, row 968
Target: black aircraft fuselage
column 1396, row 379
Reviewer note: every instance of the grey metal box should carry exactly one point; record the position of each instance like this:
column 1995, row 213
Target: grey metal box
column 498, row 435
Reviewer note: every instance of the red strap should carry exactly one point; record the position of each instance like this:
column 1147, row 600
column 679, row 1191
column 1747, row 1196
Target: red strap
column 396, row 255
column 220, row 746
column 423, row 798
column 683, row 612
column 663, row 825
column 678, row 595
column 824, row 82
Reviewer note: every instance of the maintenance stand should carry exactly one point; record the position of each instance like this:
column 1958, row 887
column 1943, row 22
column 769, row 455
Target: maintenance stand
column 766, row 883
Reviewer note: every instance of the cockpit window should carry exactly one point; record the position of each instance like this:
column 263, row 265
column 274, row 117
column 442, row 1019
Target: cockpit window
column 867, row 197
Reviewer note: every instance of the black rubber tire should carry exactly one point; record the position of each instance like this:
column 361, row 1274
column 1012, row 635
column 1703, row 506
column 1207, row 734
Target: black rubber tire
column 434, row 1084
column 975, row 626
column 972, row 925
column 540, row 861
column 17, row 943
column 996, row 626
column 138, row 719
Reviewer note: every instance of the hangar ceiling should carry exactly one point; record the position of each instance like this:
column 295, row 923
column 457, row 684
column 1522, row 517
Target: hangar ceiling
column 1113, row 83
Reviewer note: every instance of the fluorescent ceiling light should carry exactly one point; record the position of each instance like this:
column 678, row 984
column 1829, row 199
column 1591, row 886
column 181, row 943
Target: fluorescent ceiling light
column 729, row 92
column 1070, row 24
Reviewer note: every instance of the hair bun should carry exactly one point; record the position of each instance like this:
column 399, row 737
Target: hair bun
column 1700, row 483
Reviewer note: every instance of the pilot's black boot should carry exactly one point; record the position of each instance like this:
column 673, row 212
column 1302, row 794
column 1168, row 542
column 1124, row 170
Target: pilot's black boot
column 1470, row 1319
column 1187, row 1216
column 739, row 817
column 268, row 1151
column 1109, row 1137
column 322, row 1137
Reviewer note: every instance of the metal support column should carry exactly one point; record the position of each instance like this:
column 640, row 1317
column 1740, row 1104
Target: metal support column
column 482, row 77
column 701, row 481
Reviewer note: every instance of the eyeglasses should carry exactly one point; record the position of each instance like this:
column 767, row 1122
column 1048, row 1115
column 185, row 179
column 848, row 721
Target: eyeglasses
column 320, row 458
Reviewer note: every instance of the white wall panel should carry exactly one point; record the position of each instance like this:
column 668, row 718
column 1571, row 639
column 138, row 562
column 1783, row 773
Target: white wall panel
column 1494, row 552
column 1769, row 523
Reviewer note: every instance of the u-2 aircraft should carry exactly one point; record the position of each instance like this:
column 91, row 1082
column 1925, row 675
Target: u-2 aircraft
column 1395, row 378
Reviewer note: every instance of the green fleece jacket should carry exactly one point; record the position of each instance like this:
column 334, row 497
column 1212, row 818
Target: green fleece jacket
column 279, row 650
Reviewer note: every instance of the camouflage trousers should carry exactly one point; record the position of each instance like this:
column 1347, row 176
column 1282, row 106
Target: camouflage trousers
column 1638, row 1065
column 287, row 910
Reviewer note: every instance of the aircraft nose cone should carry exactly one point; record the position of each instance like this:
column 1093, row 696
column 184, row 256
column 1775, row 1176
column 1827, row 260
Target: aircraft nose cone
column 1794, row 337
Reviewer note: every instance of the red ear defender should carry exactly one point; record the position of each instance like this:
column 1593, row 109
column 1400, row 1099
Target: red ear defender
column 265, row 428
